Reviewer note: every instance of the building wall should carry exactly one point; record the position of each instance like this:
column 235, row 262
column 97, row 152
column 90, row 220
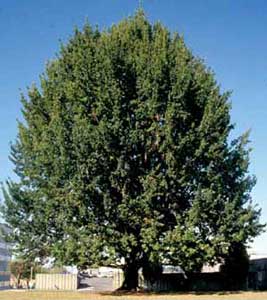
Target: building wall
column 5, row 257
column 257, row 279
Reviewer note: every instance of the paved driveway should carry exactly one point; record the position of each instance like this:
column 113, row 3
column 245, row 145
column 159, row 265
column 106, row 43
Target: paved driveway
column 96, row 284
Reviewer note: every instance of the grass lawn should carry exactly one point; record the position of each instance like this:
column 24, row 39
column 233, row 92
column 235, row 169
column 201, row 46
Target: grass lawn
column 38, row 295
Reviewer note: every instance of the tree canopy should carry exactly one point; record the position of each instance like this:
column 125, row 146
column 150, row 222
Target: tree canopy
column 124, row 155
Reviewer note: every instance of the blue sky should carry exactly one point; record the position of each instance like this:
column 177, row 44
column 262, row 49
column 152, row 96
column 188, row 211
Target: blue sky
column 229, row 35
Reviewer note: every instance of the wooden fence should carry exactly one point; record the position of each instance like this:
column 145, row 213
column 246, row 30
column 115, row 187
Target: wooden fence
column 160, row 285
column 167, row 282
column 257, row 279
column 176, row 282
column 64, row 282
column 118, row 278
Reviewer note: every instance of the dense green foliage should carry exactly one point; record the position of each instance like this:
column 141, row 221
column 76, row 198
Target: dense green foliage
column 124, row 152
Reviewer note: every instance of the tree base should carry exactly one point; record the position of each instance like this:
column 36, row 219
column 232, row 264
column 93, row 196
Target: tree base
column 130, row 282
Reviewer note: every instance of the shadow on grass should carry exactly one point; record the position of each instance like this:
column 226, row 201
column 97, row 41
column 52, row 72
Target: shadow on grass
column 119, row 293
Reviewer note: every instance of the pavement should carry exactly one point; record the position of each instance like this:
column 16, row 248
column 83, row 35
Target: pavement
column 96, row 284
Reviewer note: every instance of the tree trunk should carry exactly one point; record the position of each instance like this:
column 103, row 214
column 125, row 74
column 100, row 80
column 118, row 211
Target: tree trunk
column 18, row 281
column 130, row 282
